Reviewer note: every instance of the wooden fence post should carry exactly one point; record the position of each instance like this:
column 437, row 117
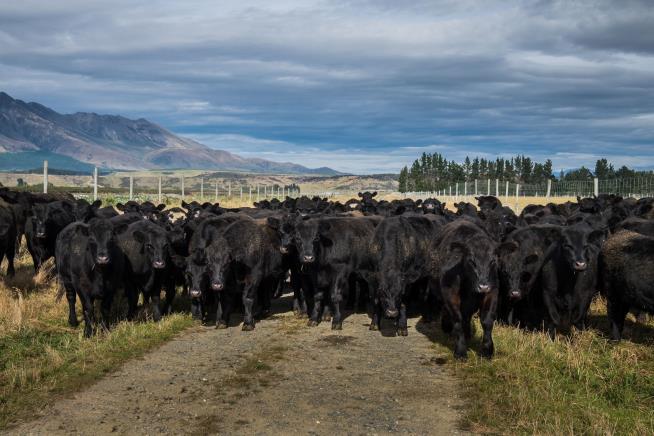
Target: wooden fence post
column 95, row 183
column 45, row 176
column 202, row 188
column 216, row 196
column 497, row 187
column 488, row 188
column 549, row 187
column 131, row 187
column 507, row 189
column 596, row 186
column 250, row 194
column 476, row 191
column 182, row 188
column 160, row 190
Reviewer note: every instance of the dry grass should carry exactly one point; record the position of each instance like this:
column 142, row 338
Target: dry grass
column 577, row 384
column 41, row 358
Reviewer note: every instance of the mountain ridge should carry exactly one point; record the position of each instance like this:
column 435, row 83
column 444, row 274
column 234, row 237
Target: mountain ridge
column 117, row 142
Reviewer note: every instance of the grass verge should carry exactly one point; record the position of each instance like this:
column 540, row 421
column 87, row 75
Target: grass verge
column 42, row 359
column 577, row 384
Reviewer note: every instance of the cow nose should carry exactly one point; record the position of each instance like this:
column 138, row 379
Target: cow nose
column 580, row 266
column 391, row 313
column 308, row 259
column 40, row 234
column 103, row 259
column 159, row 264
column 484, row 288
column 195, row 293
column 516, row 294
column 217, row 286
column 283, row 249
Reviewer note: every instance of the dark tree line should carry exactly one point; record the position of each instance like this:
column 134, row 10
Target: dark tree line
column 432, row 172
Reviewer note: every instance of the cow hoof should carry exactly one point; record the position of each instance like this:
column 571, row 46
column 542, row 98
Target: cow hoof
column 402, row 331
column 312, row 323
column 73, row 322
column 337, row 326
column 460, row 355
column 326, row 317
column 221, row 325
column 373, row 326
column 248, row 327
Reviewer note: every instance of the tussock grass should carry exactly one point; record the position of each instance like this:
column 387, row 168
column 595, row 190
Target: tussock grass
column 577, row 384
column 41, row 358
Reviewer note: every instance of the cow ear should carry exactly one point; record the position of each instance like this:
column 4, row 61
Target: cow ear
column 477, row 198
column 506, row 248
column 418, row 202
column 374, row 194
column 161, row 207
column 206, row 205
column 139, row 236
column 273, row 222
column 456, row 255
column 185, row 205
column 456, row 205
column 578, row 199
column 96, row 204
column 360, row 195
column 120, row 207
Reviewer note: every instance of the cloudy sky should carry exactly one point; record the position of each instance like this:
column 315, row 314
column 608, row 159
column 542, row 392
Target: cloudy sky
column 358, row 85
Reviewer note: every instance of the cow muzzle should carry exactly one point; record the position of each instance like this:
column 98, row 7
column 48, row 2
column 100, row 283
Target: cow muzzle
column 483, row 288
column 580, row 266
column 159, row 264
column 102, row 260
column 195, row 293
column 216, row 286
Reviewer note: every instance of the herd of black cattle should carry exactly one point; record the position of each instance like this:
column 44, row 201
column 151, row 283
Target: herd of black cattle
column 536, row 270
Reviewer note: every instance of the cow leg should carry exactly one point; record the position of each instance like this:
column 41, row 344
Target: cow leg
column 337, row 299
column 317, row 308
column 617, row 313
column 132, row 300
column 487, row 315
column 105, row 310
column 89, row 315
column 226, row 303
column 220, row 322
column 71, row 296
column 327, row 312
column 248, row 304
column 376, row 315
column 402, row 328
column 10, row 262
column 170, row 297
column 554, row 318
column 299, row 302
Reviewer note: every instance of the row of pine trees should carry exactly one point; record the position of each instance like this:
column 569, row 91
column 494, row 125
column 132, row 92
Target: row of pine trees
column 432, row 172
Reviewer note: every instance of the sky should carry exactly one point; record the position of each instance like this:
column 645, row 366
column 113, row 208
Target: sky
column 361, row 86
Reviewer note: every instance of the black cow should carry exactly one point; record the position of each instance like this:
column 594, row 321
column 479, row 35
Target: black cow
column 41, row 230
column 638, row 225
column 244, row 260
column 569, row 276
column 147, row 250
column 332, row 249
column 626, row 276
column 7, row 235
column 464, row 276
column 487, row 203
column 400, row 248
column 91, row 266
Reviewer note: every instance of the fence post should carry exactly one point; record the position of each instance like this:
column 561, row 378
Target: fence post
column 507, row 189
column 457, row 191
column 476, row 188
column 465, row 188
column 258, row 191
column 250, row 194
column 549, row 188
column 202, row 188
column 45, row 176
column 215, row 198
column 488, row 188
column 596, row 186
column 241, row 193
column 95, row 183
column 131, row 187
column 182, row 188
column 497, row 187
column 159, row 189
column 229, row 189
column 517, row 196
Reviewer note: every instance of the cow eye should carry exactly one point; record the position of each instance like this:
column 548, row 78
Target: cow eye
column 149, row 246
column 316, row 239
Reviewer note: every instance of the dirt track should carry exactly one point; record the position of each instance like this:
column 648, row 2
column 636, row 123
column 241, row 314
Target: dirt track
column 282, row 378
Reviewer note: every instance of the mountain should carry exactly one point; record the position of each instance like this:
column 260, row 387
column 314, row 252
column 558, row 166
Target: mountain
column 112, row 141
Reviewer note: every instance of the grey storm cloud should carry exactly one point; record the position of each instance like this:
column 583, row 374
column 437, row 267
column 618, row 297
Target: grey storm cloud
column 360, row 85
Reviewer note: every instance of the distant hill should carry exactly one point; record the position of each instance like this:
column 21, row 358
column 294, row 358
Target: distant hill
column 111, row 141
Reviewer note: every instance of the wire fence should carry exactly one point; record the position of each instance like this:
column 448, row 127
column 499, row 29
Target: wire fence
column 168, row 187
